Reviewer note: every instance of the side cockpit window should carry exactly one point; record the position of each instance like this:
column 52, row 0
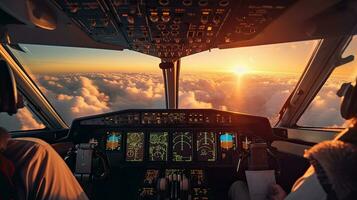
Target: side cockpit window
column 23, row 120
column 324, row 110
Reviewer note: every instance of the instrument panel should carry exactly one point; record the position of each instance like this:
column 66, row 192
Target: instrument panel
column 179, row 146
column 170, row 154
column 190, row 136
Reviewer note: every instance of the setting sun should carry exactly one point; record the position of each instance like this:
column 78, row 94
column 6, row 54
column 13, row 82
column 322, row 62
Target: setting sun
column 240, row 70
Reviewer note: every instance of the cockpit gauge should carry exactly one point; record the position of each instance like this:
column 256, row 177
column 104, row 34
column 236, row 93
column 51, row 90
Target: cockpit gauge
column 182, row 146
column 135, row 146
column 158, row 145
column 227, row 141
column 113, row 142
column 227, row 146
column 206, row 146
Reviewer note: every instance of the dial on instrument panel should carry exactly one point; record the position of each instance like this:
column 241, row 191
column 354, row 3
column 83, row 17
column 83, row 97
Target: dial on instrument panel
column 135, row 146
column 158, row 145
column 182, row 146
column 113, row 141
column 227, row 146
column 206, row 146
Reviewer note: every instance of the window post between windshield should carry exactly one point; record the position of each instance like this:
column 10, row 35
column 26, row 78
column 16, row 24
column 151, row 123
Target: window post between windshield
column 171, row 74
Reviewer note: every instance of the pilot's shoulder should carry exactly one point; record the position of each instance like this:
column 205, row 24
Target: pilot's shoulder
column 34, row 142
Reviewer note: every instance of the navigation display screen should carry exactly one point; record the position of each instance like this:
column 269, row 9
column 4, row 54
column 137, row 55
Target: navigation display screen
column 113, row 142
column 182, row 146
column 158, row 145
column 135, row 146
column 206, row 146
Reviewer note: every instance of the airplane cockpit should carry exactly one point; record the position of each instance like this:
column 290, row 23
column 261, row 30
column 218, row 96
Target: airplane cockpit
column 167, row 151
column 179, row 99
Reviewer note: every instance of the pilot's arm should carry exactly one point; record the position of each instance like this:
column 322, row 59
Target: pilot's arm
column 41, row 173
column 332, row 174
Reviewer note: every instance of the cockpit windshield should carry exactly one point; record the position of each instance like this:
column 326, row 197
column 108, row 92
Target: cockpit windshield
column 78, row 81
column 254, row 80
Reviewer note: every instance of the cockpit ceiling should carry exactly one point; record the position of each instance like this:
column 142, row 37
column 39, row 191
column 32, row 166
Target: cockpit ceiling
column 170, row 29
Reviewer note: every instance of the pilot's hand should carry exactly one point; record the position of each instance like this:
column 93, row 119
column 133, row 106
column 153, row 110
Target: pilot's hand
column 276, row 192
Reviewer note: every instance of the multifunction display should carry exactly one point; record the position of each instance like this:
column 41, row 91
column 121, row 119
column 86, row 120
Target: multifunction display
column 158, row 145
column 135, row 146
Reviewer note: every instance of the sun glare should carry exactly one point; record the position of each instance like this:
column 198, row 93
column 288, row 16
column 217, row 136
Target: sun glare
column 240, row 70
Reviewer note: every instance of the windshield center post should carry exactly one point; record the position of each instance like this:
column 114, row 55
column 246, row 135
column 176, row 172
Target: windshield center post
column 171, row 73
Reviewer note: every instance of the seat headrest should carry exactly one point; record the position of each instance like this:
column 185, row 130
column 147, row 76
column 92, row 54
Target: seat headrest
column 349, row 103
column 8, row 90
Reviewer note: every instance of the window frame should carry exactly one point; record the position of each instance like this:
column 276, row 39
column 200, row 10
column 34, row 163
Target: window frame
column 348, row 59
column 37, row 102
column 330, row 58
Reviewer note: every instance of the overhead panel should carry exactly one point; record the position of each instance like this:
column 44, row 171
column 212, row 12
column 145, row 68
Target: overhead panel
column 94, row 18
column 171, row 29
column 249, row 18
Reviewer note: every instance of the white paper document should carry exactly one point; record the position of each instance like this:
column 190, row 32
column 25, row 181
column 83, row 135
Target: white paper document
column 259, row 183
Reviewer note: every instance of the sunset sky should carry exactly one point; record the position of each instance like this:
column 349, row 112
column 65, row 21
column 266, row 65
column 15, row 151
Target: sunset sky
column 285, row 58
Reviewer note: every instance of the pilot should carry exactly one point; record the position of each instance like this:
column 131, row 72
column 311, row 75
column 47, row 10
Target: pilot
column 40, row 173
column 30, row 168
column 333, row 170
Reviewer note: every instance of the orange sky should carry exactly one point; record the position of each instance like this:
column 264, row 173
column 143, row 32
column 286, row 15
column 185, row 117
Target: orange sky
column 276, row 58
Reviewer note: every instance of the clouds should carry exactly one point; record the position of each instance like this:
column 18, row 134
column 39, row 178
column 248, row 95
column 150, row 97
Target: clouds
column 81, row 94
column 89, row 99
column 258, row 94
column 27, row 120
column 75, row 95
column 324, row 110
column 189, row 100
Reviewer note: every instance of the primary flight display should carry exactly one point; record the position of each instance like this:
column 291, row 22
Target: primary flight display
column 182, row 146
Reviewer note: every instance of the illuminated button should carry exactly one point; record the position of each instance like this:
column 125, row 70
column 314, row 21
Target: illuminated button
column 154, row 17
column 165, row 17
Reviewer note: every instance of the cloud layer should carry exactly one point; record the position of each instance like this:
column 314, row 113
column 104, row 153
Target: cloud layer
column 75, row 95
column 324, row 110
column 82, row 94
